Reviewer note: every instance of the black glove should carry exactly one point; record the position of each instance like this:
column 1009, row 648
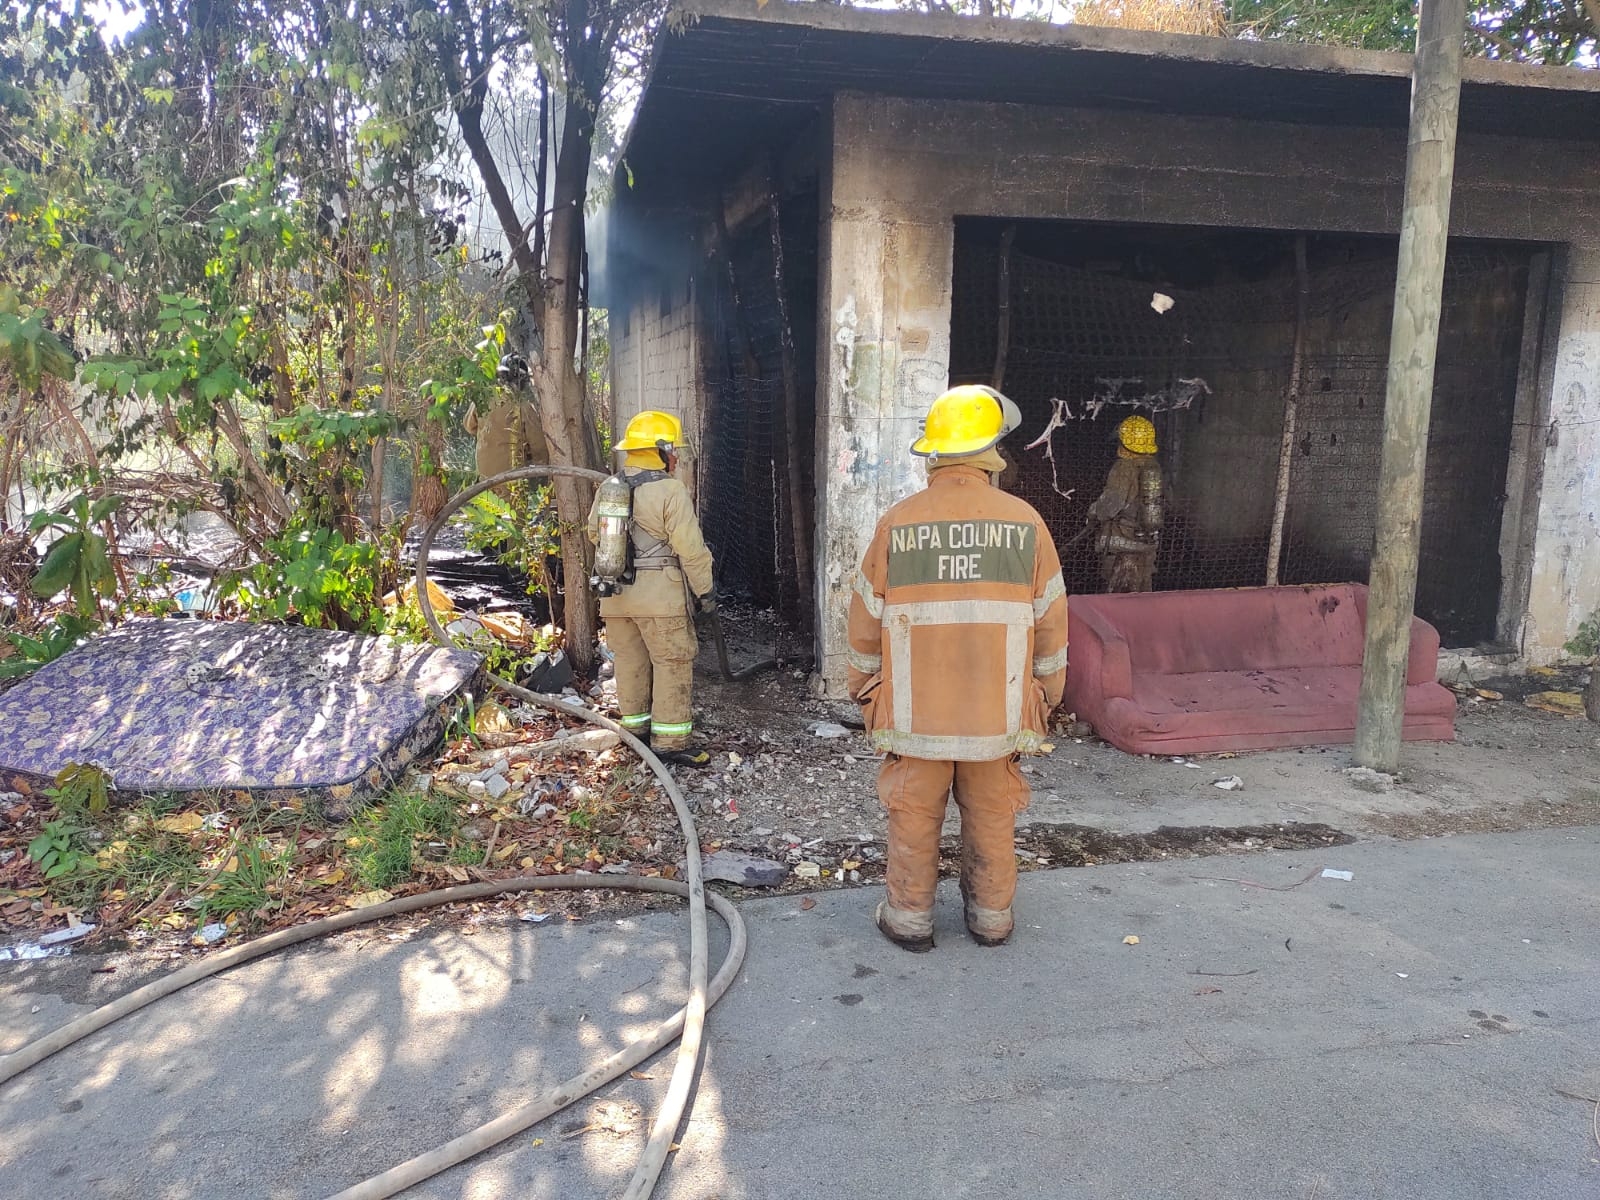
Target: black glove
column 707, row 603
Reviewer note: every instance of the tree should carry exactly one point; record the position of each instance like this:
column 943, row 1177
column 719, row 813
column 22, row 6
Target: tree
column 215, row 208
column 1548, row 32
column 580, row 49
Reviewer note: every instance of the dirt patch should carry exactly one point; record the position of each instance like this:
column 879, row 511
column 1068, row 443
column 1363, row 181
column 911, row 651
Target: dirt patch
column 1505, row 818
column 1083, row 846
column 852, row 862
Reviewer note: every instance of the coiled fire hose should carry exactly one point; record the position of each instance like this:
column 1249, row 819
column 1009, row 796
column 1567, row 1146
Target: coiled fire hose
column 687, row 1024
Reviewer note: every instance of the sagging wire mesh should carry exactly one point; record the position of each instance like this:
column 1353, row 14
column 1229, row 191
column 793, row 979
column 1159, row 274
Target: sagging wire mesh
column 1090, row 344
column 747, row 502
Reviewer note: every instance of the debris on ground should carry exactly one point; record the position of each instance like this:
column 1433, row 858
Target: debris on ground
column 519, row 790
column 548, row 797
column 72, row 933
column 1330, row 873
column 1131, row 940
column 49, row 945
column 1368, row 780
column 1562, row 704
column 746, row 870
column 1230, row 783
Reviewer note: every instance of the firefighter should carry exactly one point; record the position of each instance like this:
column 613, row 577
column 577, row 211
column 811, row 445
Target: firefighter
column 1128, row 512
column 957, row 654
column 649, row 624
column 508, row 432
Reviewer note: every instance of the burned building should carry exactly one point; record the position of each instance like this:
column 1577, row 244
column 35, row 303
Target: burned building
column 826, row 215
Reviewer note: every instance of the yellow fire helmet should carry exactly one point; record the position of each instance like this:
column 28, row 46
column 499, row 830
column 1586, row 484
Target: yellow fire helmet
column 1137, row 435
column 650, row 427
column 966, row 420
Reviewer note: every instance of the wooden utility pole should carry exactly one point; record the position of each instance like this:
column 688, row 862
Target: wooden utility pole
column 1413, row 346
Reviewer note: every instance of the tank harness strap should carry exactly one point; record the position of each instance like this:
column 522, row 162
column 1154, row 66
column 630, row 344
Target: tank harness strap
column 650, row 553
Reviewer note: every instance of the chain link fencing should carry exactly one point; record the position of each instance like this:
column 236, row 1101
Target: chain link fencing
column 1089, row 344
column 759, row 360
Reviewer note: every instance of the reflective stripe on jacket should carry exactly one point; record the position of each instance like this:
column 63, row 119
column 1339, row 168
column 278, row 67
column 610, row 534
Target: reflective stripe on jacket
column 958, row 624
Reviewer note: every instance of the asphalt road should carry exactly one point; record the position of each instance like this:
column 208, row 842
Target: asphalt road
column 1405, row 1034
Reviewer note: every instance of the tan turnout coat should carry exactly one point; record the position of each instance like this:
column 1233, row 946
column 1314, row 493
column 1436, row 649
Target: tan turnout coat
column 958, row 624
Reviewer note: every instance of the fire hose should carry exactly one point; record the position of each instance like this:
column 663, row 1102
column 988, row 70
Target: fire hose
column 687, row 1024
column 727, row 671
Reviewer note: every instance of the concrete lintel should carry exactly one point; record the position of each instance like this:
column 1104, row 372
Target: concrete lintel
column 919, row 159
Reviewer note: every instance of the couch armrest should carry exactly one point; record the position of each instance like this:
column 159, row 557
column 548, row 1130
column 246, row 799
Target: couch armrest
column 1103, row 649
column 1422, row 666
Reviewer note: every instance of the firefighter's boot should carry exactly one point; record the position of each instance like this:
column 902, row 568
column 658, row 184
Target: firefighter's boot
column 697, row 757
column 911, row 931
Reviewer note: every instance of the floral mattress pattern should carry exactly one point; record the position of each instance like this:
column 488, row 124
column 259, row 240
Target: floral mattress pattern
column 192, row 706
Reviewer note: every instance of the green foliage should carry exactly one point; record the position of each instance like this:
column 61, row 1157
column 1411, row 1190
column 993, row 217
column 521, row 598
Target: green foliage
column 1550, row 32
column 469, row 377
column 59, row 850
column 81, row 788
column 61, row 635
column 490, row 523
column 250, row 887
column 27, row 346
column 317, row 575
column 77, row 561
column 322, row 430
column 387, row 835
column 463, row 720
column 1586, row 643
column 246, row 213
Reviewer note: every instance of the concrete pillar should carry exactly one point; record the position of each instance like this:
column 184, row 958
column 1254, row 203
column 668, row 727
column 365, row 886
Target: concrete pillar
column 1566, row 556
column 883, row 356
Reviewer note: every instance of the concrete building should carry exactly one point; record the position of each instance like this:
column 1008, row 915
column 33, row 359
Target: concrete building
column 827, row 214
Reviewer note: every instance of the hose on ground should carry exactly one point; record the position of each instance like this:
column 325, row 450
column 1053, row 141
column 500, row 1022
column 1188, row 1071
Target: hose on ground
column 727, row 670
column 687, row 1024
column 683, row 1071
column 460, row 1149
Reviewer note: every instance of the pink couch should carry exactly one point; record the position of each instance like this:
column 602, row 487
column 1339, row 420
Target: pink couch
column 1248, row 669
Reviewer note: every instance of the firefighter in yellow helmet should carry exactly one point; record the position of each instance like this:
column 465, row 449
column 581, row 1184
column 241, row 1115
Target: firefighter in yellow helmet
column 1129, row 511
column 649, row 623
column 957, row 654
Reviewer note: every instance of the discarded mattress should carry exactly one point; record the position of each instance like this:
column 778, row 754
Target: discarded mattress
column 1247, row 669
column 205, row 707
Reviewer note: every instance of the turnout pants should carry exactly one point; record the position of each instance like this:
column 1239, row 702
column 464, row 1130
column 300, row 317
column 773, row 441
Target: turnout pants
column 655, row 676
column 916, row 793
column 1129, row 572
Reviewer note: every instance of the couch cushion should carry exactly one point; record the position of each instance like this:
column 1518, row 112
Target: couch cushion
column 1307, row 698
column 1232, row 630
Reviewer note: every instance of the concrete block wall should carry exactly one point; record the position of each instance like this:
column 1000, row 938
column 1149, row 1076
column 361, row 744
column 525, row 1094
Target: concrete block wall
column 899, row 171
column 655, row 355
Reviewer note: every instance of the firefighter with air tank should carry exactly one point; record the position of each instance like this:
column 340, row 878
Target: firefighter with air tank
column 651, row 567
column 1128, row 513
